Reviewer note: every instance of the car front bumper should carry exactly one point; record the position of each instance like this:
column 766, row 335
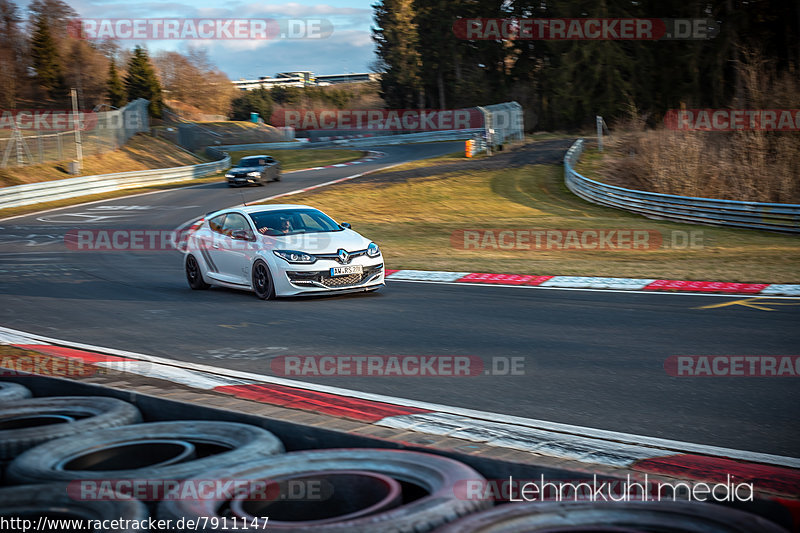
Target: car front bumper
column 295, row 279
column 243, row 180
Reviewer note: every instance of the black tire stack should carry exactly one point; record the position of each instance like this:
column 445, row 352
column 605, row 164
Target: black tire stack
column 58, row 451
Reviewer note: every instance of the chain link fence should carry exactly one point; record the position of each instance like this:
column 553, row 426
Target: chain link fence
column 104, row 131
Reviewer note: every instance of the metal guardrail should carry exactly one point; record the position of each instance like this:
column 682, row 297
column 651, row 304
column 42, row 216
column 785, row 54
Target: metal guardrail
column 32, row 193
column 430, row 136
column 751, row 215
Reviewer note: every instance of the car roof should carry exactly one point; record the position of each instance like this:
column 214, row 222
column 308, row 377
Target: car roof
column 260, row 208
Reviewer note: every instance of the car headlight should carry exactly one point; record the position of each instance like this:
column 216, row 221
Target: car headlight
column 254, row 174
column 291, row 256
column 373, row 250
column 228, row 175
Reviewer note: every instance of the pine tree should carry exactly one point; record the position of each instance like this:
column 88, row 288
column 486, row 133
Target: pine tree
column 46, row 61
column 399, row 61
column 141, row 81
column 114, row 88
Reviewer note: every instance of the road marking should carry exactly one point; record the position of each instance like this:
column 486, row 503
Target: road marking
column 754, row 303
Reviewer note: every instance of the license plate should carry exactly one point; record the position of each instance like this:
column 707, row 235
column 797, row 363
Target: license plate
column 346, row 270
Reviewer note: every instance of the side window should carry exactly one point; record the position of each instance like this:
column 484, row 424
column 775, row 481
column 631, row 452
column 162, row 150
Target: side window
column 216, row 223
column 233, row 222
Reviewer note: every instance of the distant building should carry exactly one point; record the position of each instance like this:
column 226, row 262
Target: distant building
column 303, row 78
column 355, row 77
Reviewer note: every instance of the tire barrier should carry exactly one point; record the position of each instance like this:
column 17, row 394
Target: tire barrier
column 160, row 450
column 27, row 423
column 91, row 458
column 12, row 391
column 664, row 517
column 51, row 503
column 427, row 484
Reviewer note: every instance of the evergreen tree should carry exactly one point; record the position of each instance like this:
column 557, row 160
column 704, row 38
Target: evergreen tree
column 399, row 60
column 141, row 81
column 255, row 101
column 46, row 61
column 114, row 88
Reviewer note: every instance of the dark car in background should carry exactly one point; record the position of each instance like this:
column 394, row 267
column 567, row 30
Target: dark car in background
column 257, row 169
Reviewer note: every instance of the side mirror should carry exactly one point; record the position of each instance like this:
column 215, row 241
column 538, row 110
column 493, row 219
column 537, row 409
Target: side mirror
column 241, row 235
column 345, row 225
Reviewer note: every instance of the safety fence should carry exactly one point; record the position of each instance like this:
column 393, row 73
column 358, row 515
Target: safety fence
column 100, row 132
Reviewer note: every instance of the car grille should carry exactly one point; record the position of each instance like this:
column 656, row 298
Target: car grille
column 342, row 281
column 324, row 279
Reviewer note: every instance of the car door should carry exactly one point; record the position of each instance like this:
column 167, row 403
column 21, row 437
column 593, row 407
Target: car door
column 233, row 255
column 208, row 241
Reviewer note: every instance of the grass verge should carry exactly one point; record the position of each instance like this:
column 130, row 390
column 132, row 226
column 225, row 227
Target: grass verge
column 413, row 221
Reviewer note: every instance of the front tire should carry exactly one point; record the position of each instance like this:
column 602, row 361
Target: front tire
column 194, row 275
column 262, row 281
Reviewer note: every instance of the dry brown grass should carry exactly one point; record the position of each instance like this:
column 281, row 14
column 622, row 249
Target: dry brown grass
column 142, row 152
column 757, row 166
column 748, row 166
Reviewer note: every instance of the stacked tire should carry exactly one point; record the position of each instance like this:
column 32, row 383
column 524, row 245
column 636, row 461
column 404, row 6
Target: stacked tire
column 94, row 458
column 90, row 456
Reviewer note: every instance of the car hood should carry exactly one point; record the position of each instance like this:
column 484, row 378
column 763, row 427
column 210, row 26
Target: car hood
column 317, row 243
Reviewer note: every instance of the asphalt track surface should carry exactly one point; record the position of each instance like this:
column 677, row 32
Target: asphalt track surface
column 592, row 358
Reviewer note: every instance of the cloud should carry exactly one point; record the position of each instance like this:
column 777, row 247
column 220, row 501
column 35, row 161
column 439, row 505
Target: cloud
column 351, row 51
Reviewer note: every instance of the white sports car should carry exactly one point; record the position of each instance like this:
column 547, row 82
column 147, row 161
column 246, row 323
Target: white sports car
column 280, row 250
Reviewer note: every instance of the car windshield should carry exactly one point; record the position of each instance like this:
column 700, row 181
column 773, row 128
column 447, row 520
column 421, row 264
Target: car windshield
column 293, row 221
column 252, row 162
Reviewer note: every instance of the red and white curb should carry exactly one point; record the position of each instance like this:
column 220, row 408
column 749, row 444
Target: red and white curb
column 770, row 473
column 582, row 282
column 372, row 155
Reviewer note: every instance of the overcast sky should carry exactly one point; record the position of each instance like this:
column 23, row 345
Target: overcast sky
column 348, row 49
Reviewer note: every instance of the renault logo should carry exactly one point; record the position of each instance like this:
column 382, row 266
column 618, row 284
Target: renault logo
column 344, row 257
